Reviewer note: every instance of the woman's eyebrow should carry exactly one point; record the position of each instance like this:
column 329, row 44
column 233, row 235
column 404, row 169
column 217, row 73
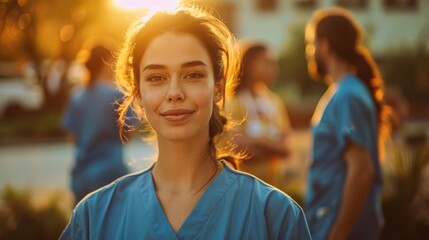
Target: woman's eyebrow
column 193, row 64
column 184, row 65
column 153, row 67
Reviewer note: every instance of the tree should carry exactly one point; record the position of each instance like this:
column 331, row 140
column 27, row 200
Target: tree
column 49, row 29
column 293, row 65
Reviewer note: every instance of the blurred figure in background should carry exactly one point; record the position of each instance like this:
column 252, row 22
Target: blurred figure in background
column 91, row 121
column 349, row 124
column 264, row 123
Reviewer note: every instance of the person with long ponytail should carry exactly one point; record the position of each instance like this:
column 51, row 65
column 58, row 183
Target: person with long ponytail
column 349, row 125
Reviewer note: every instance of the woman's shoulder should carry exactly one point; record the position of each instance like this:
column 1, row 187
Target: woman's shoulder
column 260, row 191
column 357, row 97
column 352, row 87
column 283, row 216
column 107, row 90
column 117, row 191
column 77, row 94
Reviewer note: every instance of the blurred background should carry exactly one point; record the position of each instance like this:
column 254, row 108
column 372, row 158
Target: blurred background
column 40, row 66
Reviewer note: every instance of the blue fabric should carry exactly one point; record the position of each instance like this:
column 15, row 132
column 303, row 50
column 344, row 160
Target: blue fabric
column 91, row 117
column 350, row 115
column 234, row 206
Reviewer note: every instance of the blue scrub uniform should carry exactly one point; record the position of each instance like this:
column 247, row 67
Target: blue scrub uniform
column 347, row 113
column 234, row 206
column 91, row 118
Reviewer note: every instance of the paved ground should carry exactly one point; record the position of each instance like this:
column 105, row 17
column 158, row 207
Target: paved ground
column 47, row 165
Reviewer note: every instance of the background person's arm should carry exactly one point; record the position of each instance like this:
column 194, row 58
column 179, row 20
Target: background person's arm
column 359, row 179
column 260, row 148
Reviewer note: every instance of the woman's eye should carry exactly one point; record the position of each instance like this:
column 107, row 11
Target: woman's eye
column 155, row 78
column 194, row 75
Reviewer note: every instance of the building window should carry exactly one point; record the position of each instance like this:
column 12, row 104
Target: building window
column 305, row 3
column 400, row 4
column 352, row 3
column 266, row 5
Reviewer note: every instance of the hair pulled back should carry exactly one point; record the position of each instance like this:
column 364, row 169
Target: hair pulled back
column 213, row 35
column 345, row 38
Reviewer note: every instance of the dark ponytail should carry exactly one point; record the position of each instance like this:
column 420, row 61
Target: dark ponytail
column 367, row 72
column 217, row 128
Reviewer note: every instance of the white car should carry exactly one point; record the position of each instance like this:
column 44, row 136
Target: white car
column 19, row 90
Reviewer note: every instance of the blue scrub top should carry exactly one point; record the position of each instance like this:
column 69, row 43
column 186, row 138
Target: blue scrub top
column 234, row 206
column 91, row 117
column 348, row 115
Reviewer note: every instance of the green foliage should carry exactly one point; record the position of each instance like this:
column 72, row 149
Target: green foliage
column 38, row 124
column 403, row 179
column 409, row 70
column 293, row 64
column 20, row 219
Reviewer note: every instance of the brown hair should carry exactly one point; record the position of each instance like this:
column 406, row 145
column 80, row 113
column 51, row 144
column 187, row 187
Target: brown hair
column 214, row 36
column 96, row 62
column 345, row 36
column 249, row 52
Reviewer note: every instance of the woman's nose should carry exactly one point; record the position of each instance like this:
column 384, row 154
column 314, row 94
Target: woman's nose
column 175, row 91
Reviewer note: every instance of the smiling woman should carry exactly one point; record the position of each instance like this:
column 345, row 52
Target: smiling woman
column 153, row 5
column 174, row 70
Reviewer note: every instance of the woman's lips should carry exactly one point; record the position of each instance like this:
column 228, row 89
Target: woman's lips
column 176, row 115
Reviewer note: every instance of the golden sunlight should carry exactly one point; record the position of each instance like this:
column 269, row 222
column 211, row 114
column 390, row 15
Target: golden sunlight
column 151, row 5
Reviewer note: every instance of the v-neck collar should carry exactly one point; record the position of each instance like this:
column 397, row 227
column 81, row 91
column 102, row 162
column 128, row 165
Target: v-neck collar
column 199, row 215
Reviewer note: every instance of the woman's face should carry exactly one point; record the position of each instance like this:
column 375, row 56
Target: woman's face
column 177, row 87
column 316, row 65
column 264, row 68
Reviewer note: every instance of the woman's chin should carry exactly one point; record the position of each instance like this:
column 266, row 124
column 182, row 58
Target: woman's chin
column 176, row 135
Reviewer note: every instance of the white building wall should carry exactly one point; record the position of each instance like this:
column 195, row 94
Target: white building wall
column 388, row 29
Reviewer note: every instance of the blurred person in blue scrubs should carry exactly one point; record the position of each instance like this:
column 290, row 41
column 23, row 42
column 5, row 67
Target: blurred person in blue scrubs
column 91, row 119
column 349, row 124
column 175, row 70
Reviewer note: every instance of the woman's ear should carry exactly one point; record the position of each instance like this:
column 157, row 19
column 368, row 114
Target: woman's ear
column 219, row 89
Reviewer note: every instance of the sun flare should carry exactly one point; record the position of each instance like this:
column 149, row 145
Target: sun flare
column 152, row 5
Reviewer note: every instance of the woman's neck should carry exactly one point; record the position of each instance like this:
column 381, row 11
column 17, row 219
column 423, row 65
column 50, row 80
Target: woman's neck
column 338, row 69
column 183, row 166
